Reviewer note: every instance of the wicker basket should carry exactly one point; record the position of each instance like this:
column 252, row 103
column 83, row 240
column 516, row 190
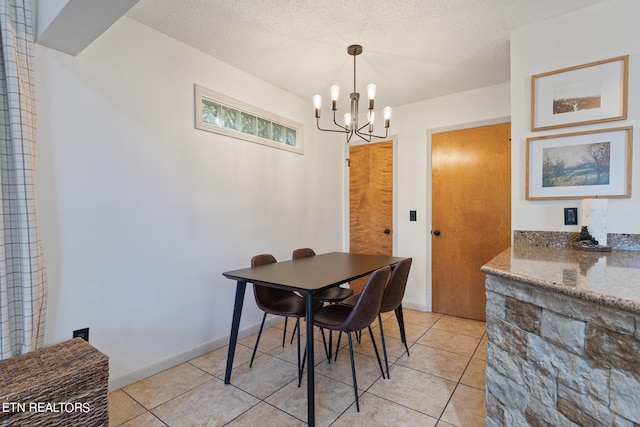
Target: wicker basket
column 62, row 385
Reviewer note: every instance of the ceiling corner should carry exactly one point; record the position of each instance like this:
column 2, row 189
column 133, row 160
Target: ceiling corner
column 69, row 26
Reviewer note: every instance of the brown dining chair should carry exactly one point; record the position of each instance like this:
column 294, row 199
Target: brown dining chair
column 278, row 302
column 343, row 318
column 391, row 300
column 331, row 296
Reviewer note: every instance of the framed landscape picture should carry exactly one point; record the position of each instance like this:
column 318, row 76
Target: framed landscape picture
column 580, row 165
column 589, row 93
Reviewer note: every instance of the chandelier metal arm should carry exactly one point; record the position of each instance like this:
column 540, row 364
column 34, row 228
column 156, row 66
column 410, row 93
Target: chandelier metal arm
column 344, row 130
column 362, row 127
column 335, row 122
column 367, row 136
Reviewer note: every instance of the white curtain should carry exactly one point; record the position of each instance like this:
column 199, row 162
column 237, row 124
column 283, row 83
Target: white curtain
column 23, row 291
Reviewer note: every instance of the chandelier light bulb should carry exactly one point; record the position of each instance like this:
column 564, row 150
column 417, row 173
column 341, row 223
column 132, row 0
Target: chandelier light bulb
column 317, row 104
column 386, row 111
column 371, row 91
column 347, row 120
column 335, row 92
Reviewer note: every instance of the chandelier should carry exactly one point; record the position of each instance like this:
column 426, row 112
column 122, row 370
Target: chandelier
column 351, row 126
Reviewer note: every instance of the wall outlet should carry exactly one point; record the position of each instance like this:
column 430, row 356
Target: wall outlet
column 82, row 333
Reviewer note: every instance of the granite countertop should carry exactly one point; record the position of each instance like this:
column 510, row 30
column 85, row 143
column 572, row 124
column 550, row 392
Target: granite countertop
column 608, row 278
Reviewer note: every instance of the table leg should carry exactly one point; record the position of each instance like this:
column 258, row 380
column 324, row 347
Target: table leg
column 235, row 325
column 311, row 363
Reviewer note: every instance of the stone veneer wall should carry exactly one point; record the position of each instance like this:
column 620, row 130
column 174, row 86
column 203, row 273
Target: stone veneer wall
column 554, row 360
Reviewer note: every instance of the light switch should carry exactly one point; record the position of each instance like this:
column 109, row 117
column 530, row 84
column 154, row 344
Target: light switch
column 570, row 216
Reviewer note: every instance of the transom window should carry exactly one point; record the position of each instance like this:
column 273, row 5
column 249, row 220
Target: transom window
column 221, row 114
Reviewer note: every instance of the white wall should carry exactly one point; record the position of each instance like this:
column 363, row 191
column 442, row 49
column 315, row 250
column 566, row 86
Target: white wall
column 414, row 124
column 591, row 34
column 141, row 212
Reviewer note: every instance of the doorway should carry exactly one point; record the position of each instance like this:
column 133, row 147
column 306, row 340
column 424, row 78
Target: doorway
column 471, row 214
column 370, row 201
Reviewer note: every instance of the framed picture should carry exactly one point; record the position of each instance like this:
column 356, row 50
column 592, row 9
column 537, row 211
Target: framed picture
column 580, row 165
column 589, row 93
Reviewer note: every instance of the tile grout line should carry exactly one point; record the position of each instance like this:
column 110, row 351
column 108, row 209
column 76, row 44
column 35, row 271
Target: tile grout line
column 393, row 364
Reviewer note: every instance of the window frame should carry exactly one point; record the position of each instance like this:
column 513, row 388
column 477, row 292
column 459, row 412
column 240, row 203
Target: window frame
column 202, row 94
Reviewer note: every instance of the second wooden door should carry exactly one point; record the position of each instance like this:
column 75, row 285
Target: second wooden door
column 471, row 214
column 370, row 200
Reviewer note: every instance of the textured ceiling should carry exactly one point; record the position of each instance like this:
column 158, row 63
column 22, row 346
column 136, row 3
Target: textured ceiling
column 413, row 49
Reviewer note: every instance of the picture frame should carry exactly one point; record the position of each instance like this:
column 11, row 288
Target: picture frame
column 580, row 165
column 589, row 93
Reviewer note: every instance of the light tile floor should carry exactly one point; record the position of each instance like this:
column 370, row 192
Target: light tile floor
column 441, row 383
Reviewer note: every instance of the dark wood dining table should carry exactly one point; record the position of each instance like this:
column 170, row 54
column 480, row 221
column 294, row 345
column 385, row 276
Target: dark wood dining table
column 306, row 276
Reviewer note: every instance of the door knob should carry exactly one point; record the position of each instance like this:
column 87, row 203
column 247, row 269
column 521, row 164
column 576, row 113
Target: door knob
column 387, row 231
column 436, row 232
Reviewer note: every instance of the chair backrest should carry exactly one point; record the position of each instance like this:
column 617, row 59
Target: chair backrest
column 394, row 291
column 368, row 306
column 302, row 253
column 264, row 295
column 263, row 259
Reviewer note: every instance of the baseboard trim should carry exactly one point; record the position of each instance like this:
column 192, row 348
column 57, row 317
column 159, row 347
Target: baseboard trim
column 417, row 307
column 171, row 361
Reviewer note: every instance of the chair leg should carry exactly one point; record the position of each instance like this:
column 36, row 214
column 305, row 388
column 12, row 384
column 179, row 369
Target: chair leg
column 403, row 335
column 384, row 345
column 304, row 359
column 258, row 339
column 358, row 336
column 284, row 334
column 324, row 341
column 293, row 334
column 353, row 371
column 375, row 347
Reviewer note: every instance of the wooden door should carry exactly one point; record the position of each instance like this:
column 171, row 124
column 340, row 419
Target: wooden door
column 370, row 201
column 471, row 214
